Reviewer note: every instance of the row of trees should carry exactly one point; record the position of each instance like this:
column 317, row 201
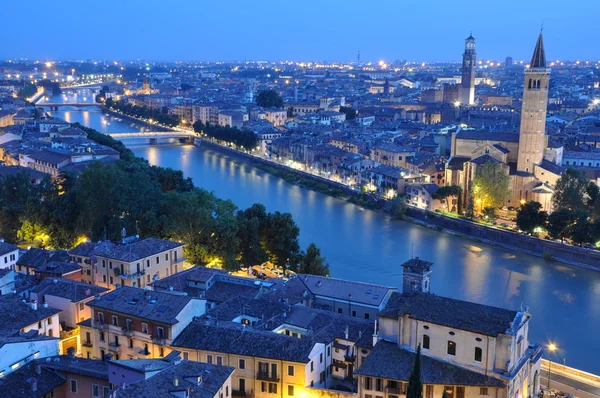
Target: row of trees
column 245, row 139
column 161, row 116
column 576, row 217
column 155, row 201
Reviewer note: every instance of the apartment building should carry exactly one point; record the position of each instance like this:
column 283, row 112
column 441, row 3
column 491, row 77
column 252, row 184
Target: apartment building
column 9, row 254
column 137, row 263
column 266, row 363
column 134, row 323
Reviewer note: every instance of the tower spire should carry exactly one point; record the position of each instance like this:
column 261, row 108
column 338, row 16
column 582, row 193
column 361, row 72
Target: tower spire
column 539, row 54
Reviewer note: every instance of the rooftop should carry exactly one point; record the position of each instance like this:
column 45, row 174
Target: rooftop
column 16, row 314
column 358, row 292
column 140, row 249
column 389, row 361
column 463, row 315
column 67, row 288
column 140, row 303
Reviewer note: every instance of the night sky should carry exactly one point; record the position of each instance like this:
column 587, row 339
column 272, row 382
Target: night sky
column 210, row 30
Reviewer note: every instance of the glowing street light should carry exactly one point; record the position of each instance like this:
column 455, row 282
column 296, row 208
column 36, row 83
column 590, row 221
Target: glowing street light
column 552, row 348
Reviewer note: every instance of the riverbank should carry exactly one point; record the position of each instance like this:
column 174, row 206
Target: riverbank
column 548, row 250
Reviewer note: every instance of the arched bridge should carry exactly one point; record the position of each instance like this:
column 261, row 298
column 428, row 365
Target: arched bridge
column 56, row 105
column 154, row 137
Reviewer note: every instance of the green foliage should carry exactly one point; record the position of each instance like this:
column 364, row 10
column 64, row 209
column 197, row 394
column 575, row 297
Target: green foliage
column 27, row 91
column 581, row 230
column 530, row 216
column 53, row 87
column 443, row 193
column 161, row 116
column 269, row 98
column 470, row 209
column 415, row 386
column 101, row 96
column 558, row 222
column 151, row 200
column 245, row 139
column 398, row 207
column 313, row 263
column 491, row 185
column 571, row 191
column 350, row 112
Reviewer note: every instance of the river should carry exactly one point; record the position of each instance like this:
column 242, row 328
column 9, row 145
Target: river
column 369, row 246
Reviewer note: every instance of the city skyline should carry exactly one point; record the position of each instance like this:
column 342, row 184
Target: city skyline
column 270, row 31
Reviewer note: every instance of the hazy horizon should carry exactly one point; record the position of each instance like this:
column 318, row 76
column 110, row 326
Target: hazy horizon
column 237, row 30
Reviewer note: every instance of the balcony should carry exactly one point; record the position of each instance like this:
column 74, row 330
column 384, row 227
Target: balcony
column 144, row 352
column 158, row 340
column 349, row 358
column 97, row 324
column 238, row 393
column 135, row 275
column 114, row 347
column 87, row 344
column 392, row 390
column 67, row 334
column 127, row 331
column 178, row 260
column 266, row 376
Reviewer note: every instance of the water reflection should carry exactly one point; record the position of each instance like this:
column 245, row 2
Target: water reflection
column 369, row 246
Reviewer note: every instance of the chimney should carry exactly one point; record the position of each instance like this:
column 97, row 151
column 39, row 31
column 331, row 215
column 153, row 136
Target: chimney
column 175, row 381
column 88, row 292
column 45, row 304
column 38, row 369
column 71, row 352
column 199, row 380
column 33, row 384
column 346, row 332
column 34, row 305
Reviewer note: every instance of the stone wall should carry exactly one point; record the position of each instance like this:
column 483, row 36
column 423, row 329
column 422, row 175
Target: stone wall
column 539, row 247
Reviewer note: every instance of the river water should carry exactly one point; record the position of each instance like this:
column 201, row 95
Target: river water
column 369, row 246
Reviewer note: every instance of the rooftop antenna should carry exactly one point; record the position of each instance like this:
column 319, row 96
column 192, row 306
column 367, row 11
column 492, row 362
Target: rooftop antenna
column 137, row 230
column 105, row 233
column 123, row 234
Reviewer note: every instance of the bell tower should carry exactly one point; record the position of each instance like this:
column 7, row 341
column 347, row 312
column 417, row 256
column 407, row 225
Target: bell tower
column 416, row 276
column 467, row 86
column 532, row 136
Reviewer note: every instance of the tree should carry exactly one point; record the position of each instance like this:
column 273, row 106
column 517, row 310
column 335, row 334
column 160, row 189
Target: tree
column 491, row 185
column 251, row 229
column 443, row 193
column 290, row 112
column 571, row 191
column 398, row 207
column 269, row 98
column 415, row 386
column 27, row 91
column 281, row 238
column 313, row 263
column 489, row 212
column 470, row 209
column 581, row 231
column 558, row 222
column 350, row 112
column 530, row 216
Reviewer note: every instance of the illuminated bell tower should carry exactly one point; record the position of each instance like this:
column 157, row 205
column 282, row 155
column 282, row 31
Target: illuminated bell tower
column 467, row 86
column 532, row 136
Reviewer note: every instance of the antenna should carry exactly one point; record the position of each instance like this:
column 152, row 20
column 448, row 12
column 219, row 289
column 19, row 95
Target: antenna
column 105, row 232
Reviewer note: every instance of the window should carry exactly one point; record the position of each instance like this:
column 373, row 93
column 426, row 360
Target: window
column 49, row 321
column 353, row 313
column 366, row 315
column 226, row 391
column 483, row 391
column 478, row 354
column 242, row 385
column 219, row 360
column 186, row 356
column 101, row 336
column 147, row 263
column 321, row 358
column 160, row 332
column 428, row 391
column 145, row 328
column 51, row 332
column 130, row 343
column 95, row 390
column 209, row 358
column 104, row 278
column 451, row 348
column 290, row 370
column 312, row 366
column 291, row 391
column 111, row 280
column 167, row 256
column 73, row 385
column 242, row 363
column 329, row 351
column 378, row 384
column 425, row 342
column 105, row 391
column 368, row 383
column 115, row 320
column 339, row 310
column 460, row 392
column 161, row 352
column 272, row 388
column 81, row 306
column 263, row 386
column 157, row 260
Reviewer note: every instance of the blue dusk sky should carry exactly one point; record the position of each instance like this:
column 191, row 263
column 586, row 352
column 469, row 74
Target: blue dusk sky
column 210, row 30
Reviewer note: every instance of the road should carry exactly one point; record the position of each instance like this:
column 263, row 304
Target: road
column 570, row 385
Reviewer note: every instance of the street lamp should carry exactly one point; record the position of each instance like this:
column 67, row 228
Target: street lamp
column 551, row 347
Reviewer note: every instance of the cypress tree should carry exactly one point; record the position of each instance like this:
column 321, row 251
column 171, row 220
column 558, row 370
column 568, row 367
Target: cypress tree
column 415, row 387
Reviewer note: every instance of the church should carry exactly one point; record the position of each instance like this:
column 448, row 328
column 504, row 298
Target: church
column 521, row 155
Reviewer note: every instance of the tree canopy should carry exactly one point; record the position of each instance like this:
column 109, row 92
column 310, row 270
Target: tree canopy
column 160, row 115
column 154, row 201
column 269, row 98
column 491, row 185
column 245, row 139
column 313, row 263
column 530, row 216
